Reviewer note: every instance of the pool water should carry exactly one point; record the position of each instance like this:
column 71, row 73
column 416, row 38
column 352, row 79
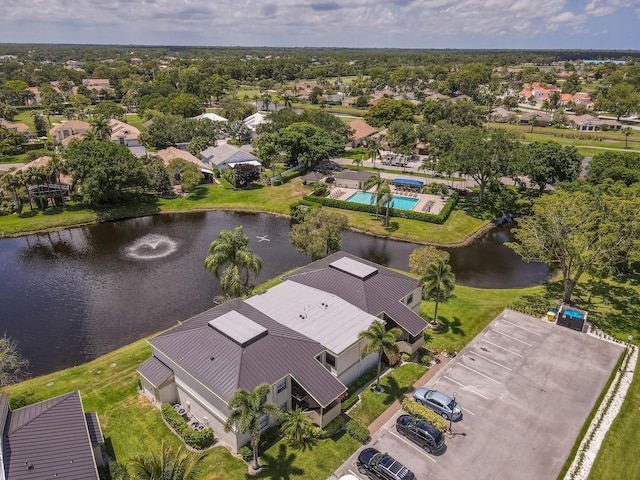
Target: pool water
column 401, row 203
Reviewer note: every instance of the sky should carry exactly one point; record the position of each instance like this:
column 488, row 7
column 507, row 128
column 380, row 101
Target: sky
column 512, row 24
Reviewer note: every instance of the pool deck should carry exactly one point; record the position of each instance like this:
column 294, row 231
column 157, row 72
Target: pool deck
column 426, row 203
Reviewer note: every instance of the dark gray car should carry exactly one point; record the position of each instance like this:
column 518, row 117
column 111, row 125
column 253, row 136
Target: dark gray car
column 421, row 433
column 381, row 466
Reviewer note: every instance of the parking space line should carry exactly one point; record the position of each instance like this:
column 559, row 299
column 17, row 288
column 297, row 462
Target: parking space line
column 479, row 373
column 522, row 328
column 489, row 360
column 509, row 336
column 503, row 348
column 412, row 445
column 466, row 388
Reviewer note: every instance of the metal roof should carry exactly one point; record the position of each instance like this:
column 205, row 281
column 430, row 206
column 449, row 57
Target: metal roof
column 49, row 439
column 407, row 181
column 320, row 316
column 223, row 366
column 155, row 371
column 93, row 425
column 377, row 294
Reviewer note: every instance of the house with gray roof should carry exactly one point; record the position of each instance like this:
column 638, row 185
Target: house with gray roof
column 228, row 156
column 50, row 439
column 300, row 337
column 348, row 178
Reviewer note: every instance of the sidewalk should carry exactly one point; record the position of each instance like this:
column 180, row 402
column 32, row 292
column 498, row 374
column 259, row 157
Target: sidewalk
column 396, row 406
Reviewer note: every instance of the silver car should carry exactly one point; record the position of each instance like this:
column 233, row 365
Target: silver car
column 440, row 403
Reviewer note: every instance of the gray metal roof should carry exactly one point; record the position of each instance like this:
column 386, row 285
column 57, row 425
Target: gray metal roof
column 49, row 439
column 320, row 316
column 361, row 175
column 223, row 366
column 375, row 294
column 155, row 371
column 238, row 328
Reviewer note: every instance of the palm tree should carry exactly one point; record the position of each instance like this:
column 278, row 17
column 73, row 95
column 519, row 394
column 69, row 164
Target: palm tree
column 23, row 180
column 439, row 281
column 376, row 181
column 296, row 426
column 380, row 341
column 231, row 248
column 626, row 132
column 385, row 198
column 101, row 128
column 57, row 168
column 170, row 464
column 246, row 411
column 373, row 149
column 11, row 182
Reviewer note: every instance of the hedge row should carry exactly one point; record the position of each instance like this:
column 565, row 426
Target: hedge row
column 333, row 427
column 198, row 439
column 358, row 431
column 393, row 212
column 418, row 410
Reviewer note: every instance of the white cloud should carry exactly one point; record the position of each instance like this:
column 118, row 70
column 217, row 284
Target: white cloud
column 600, row 8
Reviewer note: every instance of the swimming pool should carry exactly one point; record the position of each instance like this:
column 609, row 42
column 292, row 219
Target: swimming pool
column 401, row 203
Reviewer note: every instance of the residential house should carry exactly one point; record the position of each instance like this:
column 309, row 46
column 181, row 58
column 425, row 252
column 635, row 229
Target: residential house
column 361, row 131
column 538, row 119
column 589, row 123
column 19, row 127
column 252, row 122
column 211, row 116
column 63, row 187
column 334, row 99
column 582, row 98
column 68, row 128
column 502, row 115
column 352, row 178
column 172, row 153
column 123, row 133
column 54, row 438
column 301, row 337
column 537, row 91
column 97, row 85
column 228, row 156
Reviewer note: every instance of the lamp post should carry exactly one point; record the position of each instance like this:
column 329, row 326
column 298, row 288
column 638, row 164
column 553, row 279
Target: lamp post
column 453, row 409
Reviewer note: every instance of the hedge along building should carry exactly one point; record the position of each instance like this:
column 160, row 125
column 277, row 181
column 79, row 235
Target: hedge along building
column 300, row 337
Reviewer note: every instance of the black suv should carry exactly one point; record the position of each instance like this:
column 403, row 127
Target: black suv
column 421, row 433
column 378, row 465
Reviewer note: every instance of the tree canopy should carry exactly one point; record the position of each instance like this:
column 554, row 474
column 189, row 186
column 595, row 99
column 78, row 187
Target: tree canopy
column 319, row 234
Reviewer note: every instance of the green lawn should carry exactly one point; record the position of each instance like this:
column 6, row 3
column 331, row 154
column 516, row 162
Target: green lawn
column 259, row 198
column 397, row 382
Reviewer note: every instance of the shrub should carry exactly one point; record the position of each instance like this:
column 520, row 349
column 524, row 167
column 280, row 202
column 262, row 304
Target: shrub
column 269, row 438
column 405, row 357
column 198, row 439
column 358, row 431
column 362, row 380
column 350, row 401
column 299, row 210
column 332, row 428
column 418, row 410
column 246, row 453
column 425, row 359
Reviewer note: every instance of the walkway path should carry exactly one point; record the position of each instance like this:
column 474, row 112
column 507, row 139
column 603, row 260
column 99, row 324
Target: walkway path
column 397, row 405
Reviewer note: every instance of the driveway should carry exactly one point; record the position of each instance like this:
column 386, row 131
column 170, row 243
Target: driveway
column 526, row 387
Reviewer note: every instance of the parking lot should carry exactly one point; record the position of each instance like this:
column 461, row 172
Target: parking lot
column 526, row 387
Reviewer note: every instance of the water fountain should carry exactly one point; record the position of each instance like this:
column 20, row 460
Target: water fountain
column 150, row 247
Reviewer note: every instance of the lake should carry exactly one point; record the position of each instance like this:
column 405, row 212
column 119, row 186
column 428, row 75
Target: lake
column 70, row 296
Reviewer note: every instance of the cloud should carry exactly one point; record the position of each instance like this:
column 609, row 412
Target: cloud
column 362, row 23
column 600, row 8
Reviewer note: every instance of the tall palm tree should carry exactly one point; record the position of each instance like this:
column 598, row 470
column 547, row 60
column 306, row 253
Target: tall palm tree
column 380, row 341
column 169, row 464
column 439, row 281
column 246, row 411
column 373, row 149
column 375, row 181
column 231, row 248
column 57, row 168
column 296, row 426
column 23, row 180
column 100, row 127
column 11, row 182
column 385, row 198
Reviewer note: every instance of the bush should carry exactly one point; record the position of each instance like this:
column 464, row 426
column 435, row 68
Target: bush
column 358, row 431
column 198, row 439
column 393, row 212
column 269, row 438
column 362, row 380
column 299, row 210
column 246, row 453
column 332, row 428
column 418, row 410
column 405, row 357
column 349, row 402
column 426, row 359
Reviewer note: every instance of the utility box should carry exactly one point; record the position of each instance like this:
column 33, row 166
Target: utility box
column 573, row 318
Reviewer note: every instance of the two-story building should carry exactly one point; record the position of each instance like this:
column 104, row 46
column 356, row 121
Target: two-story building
column 301, row 337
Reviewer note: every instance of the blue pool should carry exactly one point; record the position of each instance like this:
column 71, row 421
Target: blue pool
column 401, row 203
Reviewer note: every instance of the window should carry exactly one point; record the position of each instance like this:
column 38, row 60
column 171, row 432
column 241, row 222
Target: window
column 283, row 407
column 281, row 385
column 264, row 422
column 410, row 299
column 330, row 359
